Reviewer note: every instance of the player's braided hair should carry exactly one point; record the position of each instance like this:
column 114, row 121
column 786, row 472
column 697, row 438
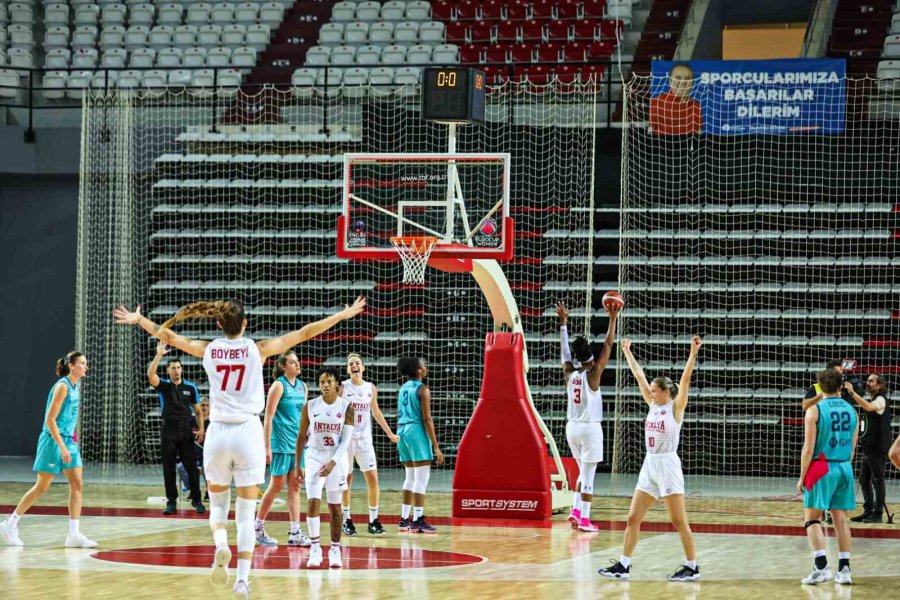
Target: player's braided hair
column 228, row 313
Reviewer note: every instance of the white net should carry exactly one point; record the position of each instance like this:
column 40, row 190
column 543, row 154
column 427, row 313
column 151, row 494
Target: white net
column 780, row 251
column 414, row 253
column 187, row 197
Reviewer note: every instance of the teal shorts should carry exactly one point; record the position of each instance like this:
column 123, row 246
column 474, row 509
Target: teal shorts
column 283, row 463
column 834, row 490
column 49, row 458
column 414, row 445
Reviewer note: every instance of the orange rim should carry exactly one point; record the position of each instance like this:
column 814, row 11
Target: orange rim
column 417, row 243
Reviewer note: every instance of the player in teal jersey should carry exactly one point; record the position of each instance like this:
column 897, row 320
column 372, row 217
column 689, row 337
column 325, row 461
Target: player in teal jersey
column 57, row 451
column 418, row 444
column 826, row 475
column 283, row 406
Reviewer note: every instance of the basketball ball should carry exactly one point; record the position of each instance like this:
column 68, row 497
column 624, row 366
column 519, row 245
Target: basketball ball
column 613, row 301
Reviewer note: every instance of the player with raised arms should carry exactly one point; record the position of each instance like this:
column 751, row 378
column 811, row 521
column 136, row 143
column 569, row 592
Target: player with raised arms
column 326, row 423
column 584, row 429
column 57, row 451
column 661, row 475
column 286, row 398
column 234, row 449
column 418, row 444
column 363, row 395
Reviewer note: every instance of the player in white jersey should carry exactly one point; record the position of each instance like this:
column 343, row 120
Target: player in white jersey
column 234, row 448
column 584, row 429
column 326, row 425
column 661, row 475
column 363, row 395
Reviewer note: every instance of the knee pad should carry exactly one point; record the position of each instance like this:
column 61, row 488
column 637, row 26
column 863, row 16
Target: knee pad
column 334, row 496
column 218, row 507
column 410, row 481
column 244, row 513
column 586, row 477
column 809, row 524
column 423, row 474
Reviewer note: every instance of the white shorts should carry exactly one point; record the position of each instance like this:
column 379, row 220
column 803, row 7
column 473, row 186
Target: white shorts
column 235, row 450
column 336, row 480
column 585, row 441
column 661, row 475
column 363, row 451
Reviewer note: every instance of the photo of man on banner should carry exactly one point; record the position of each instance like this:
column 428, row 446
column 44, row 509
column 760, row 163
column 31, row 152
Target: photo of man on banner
column 674, row 112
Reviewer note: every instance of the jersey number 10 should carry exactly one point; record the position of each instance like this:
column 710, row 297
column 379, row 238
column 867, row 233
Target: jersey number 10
column 227, row 370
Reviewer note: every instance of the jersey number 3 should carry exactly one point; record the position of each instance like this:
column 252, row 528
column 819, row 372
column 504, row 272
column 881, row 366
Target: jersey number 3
column 227, row 370
column 576, row 395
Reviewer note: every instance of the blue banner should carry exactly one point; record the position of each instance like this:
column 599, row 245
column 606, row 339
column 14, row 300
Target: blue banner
column 795, row 95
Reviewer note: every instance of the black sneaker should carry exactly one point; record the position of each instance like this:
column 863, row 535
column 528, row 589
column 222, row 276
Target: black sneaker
column 617, row 571
column 349, row 528
column 403, row 525
column 685, row 573
column 875, row 517
column 198, row 506
column 375, row 528
column 861, row 518
column 827, row 520
column 420, row 526
column 170, row 509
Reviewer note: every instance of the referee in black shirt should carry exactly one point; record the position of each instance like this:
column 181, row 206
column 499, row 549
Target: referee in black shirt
column 178, row 399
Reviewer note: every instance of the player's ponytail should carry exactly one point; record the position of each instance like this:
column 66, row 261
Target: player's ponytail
column 280, row 362
column 228, row 313
column 664, row 383
column 62, row 365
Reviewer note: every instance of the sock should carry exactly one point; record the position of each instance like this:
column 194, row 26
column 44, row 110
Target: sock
column 843, row 560
column 220, row 537
column 585, row 510
column 821, row 559
column 373, row 513
column 625, row 560
column 576, row 501
column 295, row 527
column 336, row 544
column 691, row 563
column 243, row 573
column 260, row 523
column 404, row 511
column 14, row 519
column 346, row 511
column 418, row 512
column 313, row 523
column 73, row 526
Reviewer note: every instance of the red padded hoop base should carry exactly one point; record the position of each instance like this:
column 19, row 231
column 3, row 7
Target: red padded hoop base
column 451, row 265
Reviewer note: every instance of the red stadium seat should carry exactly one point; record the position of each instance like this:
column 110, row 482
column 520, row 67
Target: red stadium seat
column 558, row 31
column 471, row 54
column 549, row 52
column 537, row 74
column 518, row 10
column 593, row 9
column 457, row 33
column 584, row 31
column 601, row 50
column 567, row 9
column 442, row 10
column 467, row 10
column 533, row 31
column 543, row 9
column 481, row 32
column 610, row 27
column 492, row 10
column 595, row 71
column 568, row 73
column 575, row 52
column 507, row 31
column 496, row 53
column 521, row 53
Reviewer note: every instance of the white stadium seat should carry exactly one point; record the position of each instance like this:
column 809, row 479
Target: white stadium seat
column 219, row 57
column 381, row 33
column 202, row 78
column 76, row 83
column 19, row 12
column 160, row 37
column 169, row 58
column 368, row 55
column 222, row 13
column 394, row 55
column 394, row 10
column 19, row 58
column 418, row 10
column 185, row 36
column 104, row 79
column 84, row 37
column 271, row 13
column 318, row 55
column 128, row 79
column 136, row 36
column 142, row 58
column 406, row 32
column 368, row 11
column 209, row 36
column 112, row 37
column 343, row 11
column 229, row 81
column 58, row 58
column 54, row 85
column 179, row 78
column 84, row 58
column 56, row 14
column 234, row 35
column 113, row 14
column 20, row 35
column 258, row 36
column 244, row 57
column 246, row 12
column 343, row 55
column 154, row 80
column 302, row 82
column 87, row 14
column 356, row 33
column 114, row 58
column 194, row 57
column 433, row 32
column 56, row 37
column 381, row 76
column 9, row 80
column 331, row 33
column 198, row 14
column 354, row 82
column 892, row 46
column 170, row 14
column 407, row 76
column 419, row 55
column 889, row 75
column 445, row 54
column 141, row 14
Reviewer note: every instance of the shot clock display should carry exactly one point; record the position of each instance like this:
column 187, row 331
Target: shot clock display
column 453, row 95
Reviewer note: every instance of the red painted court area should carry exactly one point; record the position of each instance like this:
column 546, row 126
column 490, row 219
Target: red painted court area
column 287, row 557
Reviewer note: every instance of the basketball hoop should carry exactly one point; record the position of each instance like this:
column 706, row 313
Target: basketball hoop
column 414, row 252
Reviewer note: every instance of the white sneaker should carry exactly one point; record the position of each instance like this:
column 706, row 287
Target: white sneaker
column 818, row 576
column 79, row 541
column 298, row 539
column 334, row 558
column 219, row 574
column 843, row 576
column 10, row 533
column 315, row 557
column 264, row 539
column 241, row 590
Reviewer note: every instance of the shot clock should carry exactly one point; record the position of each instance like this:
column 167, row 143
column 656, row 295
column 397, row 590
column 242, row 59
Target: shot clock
column 453, row 95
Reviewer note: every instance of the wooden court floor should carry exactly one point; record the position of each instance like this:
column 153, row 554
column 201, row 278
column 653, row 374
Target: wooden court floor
column 747, row 550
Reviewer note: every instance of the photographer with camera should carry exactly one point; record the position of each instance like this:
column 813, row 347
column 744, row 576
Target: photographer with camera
column 874, row 442
column 814, row 393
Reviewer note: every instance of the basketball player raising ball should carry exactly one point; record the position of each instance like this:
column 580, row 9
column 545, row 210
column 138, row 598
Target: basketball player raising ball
column 234, row 449
column 363, row 395
column 327, row 424
column 584, row 429
column 661, row 475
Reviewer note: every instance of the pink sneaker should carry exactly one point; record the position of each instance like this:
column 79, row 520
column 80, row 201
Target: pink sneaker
column 587, row 526
column 575, row 517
